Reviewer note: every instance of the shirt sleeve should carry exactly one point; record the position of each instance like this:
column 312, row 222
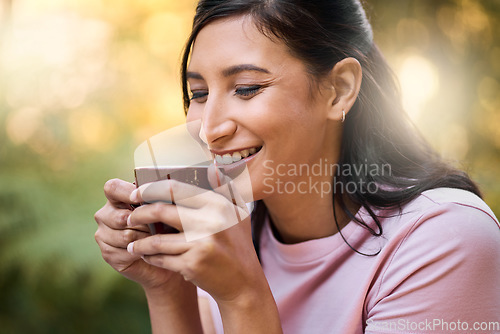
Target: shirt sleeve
column 442, row 276
column 214, row 309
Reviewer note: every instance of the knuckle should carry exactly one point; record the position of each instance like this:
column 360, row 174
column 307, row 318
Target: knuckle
column 122, row 268
column 107, row 254
column 157, row 210
column 122, row 219
column 108, row 260
column 110, row 186
column 98, row 215
column 159, row 261
column 221, row 206
column 205, row 250
column 97, row 236
column 105, row 250
column 190, row 268
column 219, row 224
column 156, row 242
column 200, row 257
column 129, row 236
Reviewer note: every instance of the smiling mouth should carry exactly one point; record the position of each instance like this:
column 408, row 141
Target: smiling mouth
column 227, row 159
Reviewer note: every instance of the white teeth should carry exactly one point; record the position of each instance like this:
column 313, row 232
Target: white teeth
column 227, row 159
column 236, row 156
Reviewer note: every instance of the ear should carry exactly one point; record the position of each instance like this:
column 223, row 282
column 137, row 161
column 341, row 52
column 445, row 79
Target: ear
column 345, row 77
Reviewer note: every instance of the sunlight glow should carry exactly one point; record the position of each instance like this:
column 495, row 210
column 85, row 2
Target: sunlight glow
column 419, row 82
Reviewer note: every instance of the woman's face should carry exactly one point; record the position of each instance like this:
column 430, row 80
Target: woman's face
column 253, row 96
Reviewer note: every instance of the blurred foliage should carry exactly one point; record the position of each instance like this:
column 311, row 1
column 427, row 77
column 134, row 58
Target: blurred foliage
column 83, row 82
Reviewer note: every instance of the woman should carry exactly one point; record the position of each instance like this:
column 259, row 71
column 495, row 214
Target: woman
column 390, row 239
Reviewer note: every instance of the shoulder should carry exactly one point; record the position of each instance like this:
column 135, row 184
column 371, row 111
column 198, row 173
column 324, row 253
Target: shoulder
column 458, row 200
column 445, row 210
column 441, row 253
column 445, row 229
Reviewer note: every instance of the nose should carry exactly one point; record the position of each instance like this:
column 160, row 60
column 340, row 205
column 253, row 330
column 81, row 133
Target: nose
column 216, row 122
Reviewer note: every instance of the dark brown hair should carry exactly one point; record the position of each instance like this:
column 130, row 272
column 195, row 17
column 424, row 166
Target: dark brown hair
column 377, row 129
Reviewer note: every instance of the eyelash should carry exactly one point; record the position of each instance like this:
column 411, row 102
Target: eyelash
column 242, row 91
column 198, row 95
column 248, row 91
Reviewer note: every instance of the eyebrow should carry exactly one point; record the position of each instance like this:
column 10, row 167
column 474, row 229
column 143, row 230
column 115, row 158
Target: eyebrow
column 230, row 71
column 242, row 68
column 194, row 75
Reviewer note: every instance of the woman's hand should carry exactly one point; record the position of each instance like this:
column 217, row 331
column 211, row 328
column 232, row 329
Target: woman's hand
column 113, row 235
column 214, row 249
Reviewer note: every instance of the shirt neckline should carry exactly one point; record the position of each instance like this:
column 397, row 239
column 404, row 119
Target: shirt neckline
column 314, row 249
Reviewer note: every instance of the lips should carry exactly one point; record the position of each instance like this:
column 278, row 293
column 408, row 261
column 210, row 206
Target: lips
column 235, row 156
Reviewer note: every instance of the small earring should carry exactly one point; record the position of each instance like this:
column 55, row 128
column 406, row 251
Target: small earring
column 343, row 116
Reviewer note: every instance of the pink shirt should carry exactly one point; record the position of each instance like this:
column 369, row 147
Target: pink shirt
column 438, row 271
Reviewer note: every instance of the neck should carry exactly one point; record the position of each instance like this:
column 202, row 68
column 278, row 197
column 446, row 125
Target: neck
column 308, row 214
column 297, row 217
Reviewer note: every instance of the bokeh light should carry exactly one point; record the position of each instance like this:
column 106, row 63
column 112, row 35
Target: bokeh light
column 419, row 82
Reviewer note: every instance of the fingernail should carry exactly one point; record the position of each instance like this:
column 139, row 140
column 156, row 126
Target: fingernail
column 130, row 247
column 129, row 223
column 133, row 196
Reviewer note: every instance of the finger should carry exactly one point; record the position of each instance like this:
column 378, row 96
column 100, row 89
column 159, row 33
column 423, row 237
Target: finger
column 158, row 212
column 111, row 216
column 218, row 211
column 119, row 238
column 170, row 262
column 165, row 244
column 118, row 258
column 170, row 191
column 115, row 218
column 118, row 193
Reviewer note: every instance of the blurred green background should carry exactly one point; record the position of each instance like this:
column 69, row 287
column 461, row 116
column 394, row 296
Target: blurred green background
column 82, row 83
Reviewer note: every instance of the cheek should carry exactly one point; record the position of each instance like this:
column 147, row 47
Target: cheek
column 194, row 113
column 293, row 100
column 285, row 112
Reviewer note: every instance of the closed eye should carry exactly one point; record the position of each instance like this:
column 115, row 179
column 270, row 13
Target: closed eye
column 248, row 91
column 199, row 96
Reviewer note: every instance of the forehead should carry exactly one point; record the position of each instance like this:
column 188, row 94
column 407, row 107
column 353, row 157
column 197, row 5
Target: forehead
column 232, row 41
